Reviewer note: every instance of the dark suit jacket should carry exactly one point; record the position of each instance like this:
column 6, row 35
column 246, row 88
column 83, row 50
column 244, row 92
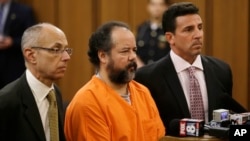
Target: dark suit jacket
column 165, row 87
column 18, row 19
column 19, row 116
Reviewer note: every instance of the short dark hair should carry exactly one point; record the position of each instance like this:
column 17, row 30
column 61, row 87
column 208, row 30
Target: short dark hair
column 175, row 10
column 101, row 40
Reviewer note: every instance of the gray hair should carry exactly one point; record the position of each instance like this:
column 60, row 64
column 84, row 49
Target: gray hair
column 33, row 34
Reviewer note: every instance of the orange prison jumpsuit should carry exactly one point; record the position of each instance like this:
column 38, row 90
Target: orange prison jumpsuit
column 98, row 113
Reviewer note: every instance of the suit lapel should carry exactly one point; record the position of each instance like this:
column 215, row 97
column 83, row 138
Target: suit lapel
column 212, row 86
column 60, row 113
column 174, row 84
column 31, row 110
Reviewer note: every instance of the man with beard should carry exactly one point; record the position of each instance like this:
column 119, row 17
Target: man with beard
column 112, row 106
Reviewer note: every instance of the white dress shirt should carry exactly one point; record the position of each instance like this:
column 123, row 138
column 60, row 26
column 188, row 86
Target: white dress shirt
column 40, row 91
column 181, row 66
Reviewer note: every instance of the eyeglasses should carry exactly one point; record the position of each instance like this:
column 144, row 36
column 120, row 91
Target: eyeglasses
column 56, row 50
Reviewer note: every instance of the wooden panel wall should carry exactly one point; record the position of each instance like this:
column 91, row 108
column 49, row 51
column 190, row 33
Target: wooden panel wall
column 229, row 40
column 226, row 25
column 75, row 19
column 132, row 12
column 45, row 10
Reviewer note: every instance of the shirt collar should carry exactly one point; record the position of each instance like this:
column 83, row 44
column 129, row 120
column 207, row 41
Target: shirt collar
column 39, row 89
column 181, row 64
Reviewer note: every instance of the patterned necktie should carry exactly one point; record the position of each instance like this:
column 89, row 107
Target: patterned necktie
column 196, row 103
column 53, row 116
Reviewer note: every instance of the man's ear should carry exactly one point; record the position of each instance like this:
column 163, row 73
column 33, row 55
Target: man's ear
column 169, row 37
column 102, row 56
column 29, row 55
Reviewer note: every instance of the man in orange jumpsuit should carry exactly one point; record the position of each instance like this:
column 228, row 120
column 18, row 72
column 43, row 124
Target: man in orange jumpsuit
column 112, row 106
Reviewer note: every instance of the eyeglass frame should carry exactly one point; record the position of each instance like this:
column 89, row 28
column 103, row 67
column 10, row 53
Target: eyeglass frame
column 56, row 50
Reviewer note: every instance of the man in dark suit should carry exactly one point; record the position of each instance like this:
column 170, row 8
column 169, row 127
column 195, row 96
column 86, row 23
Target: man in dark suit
column 168, row 79
column 24, row 103
column 14, row 19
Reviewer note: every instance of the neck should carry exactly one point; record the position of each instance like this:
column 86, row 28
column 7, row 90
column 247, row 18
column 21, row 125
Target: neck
column 121, row 89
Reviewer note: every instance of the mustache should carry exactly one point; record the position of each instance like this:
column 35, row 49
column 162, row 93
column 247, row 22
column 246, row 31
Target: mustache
column 132, row 64
column 197, row 42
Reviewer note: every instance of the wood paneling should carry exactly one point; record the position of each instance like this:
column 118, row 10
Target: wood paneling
column 75, row 19
column 45, row 10
column 248, row 66
column 230, row 42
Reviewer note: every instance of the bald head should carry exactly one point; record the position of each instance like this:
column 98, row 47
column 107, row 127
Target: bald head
column 39, row 34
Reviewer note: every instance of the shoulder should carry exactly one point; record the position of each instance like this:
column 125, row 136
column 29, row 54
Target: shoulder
column 140, row 89
column 92, row 92
column 10, row 95
column 144, row 24
column 155, row 68
column 149, row 75
column 214, row 62
column 138, row 86
column 12, row 87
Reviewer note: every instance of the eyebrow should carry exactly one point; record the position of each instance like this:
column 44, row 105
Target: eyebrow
column 58, row 45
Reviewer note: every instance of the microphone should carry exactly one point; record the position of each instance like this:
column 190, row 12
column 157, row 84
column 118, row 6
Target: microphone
column 193, row 127
column 224, row 118
column 220, row 118
column 219, row 132
column 239, row 119
column 186, row 127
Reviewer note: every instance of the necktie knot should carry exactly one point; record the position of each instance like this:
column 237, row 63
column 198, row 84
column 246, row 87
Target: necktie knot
column 51, row 96
column 191, row 70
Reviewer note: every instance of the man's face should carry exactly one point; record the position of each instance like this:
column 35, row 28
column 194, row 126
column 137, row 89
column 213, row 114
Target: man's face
column 50, row 65
column 122, row 65
column 121, row 75
column 188, row 38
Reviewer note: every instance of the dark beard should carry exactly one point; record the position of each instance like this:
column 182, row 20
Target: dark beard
column 121, row 76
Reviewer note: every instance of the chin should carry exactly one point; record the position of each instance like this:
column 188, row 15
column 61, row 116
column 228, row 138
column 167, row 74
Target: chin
column 131, row 76
column 197, row 52
column 59, row 76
